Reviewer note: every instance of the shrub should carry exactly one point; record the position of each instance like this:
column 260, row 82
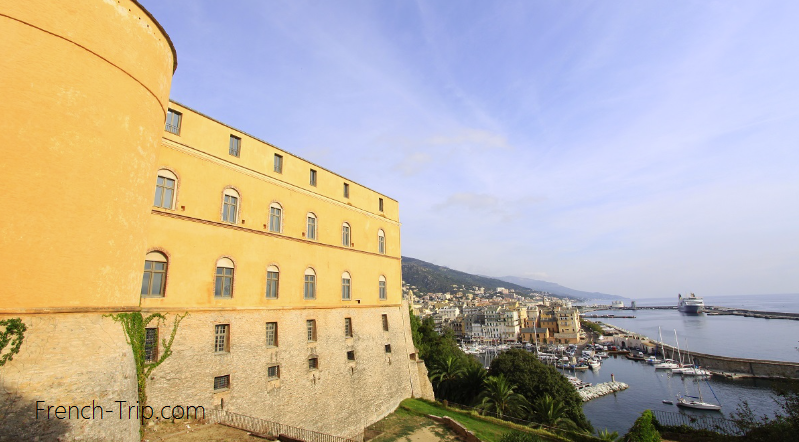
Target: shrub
column 517, row 436
column 643, row 429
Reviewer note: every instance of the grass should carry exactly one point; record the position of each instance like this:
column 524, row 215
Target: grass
column 485, row 428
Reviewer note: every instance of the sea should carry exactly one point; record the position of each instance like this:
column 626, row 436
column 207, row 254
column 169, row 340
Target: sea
column 735, row 336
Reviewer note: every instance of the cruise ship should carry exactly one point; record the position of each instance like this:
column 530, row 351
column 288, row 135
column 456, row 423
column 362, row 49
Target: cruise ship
column 690, row 304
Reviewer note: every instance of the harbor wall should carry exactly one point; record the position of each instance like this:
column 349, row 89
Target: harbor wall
column 740, row 366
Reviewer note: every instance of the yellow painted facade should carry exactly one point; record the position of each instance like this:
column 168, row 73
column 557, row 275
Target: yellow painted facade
column 85, row 87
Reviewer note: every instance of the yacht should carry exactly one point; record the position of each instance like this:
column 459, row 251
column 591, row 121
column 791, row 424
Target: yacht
column 690, row 304
column 692, row 402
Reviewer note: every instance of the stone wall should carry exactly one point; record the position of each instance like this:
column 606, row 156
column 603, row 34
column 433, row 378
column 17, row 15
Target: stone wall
column 75, row 360
column 341, row 397
column 741, row 366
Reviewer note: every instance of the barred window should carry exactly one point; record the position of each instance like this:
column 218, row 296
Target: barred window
column 385, row 322
column 222, row 338
column 150, row 344
column 222, row 382
column 271, row 334
column 273, row 372
column 173, row 119
column 313, row 363
column 348, row 327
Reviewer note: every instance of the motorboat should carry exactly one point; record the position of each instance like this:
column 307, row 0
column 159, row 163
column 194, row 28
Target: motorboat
column 594, row 365
column 692, row 371
column 667, row 364
column 653, row 360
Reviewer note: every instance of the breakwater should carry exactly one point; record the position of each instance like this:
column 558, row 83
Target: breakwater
column 717, row 311
column 718, row 365
column 593, row 392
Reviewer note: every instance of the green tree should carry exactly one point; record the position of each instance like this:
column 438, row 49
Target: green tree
column 784, row 426
column 643, row 429
column 551, row 413
column 444, row 375
column 498, row 396
column 533, row 380
column 610, row 436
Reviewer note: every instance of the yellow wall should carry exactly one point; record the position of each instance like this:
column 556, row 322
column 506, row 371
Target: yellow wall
column 194, row 237
column 84, row 89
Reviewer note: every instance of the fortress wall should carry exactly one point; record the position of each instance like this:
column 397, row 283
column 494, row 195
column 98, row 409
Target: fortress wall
column 68, row 359
column 743, row 366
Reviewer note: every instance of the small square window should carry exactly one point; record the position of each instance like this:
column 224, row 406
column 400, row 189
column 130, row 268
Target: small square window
column 388, row 348
column 313, row 177
column 222, row 382
column 313, row 363
column 278, row 163
column 385, row 322
column 351, row 355
column 346, row 190
column 235, row 146
column 273, row 372
column 271, row 334
column 380, row 204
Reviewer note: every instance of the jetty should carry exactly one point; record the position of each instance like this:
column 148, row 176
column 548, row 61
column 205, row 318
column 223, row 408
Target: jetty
column 599, row 390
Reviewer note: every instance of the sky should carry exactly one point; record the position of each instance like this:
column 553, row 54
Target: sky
column 635, row 148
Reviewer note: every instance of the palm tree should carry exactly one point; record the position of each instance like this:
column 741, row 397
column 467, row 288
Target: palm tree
column 498, row 396
column 471, row 384
column 610, row 436
column 445, row 372
column 550, row 412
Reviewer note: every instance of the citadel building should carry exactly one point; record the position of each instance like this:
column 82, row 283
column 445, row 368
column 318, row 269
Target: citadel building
column 120, row 200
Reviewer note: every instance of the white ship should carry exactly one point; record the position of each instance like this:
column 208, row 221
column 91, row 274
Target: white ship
column 690, row 304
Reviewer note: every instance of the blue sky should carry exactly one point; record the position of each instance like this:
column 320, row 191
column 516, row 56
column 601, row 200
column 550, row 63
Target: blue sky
column 637, row 148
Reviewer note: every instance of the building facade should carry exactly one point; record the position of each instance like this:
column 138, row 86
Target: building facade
column 125, row 201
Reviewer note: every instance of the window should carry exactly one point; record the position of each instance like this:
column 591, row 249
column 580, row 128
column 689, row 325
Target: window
column 310, row 326
column 381, row 242
column 382, row 287
column 150, row 344
column 345, row 235
column 273, row 372
column 222, row 338
column 275, row 217
column 271, row 334
column 222, row 382
column 346, row 286
column 154, row 280
column 313, row 363
column 230, row 206
column 313, row 177
column 310, row 284
column 235, row 146
column 385, row 322
column 278, row 163
column 272, row 279
column 348, row 327
column 388, row 348
column 380, row 204
column 173, row 119
column 346, row 190
column 223, row 287
column 311, row 230
column 351, row 355
column 165, row 189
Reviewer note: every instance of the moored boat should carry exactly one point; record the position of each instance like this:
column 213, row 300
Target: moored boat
column 692, row 402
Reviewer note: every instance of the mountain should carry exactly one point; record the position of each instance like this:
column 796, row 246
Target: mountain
column 431, row 278
column 556, row 289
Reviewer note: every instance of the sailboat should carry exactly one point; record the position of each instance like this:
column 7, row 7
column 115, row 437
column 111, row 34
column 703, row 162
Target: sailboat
column 667, row 364
column 692, row 370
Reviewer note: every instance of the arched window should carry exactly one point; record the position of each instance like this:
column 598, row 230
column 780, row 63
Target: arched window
column 223, row 288
column 275, row 218
column 345, row 235
column 230, row 206
column 272, row 281
column 382, row 287
column 154, row 280
column 310, row 284
column 346, row 286
column 312, row 226
column 381, row 242
column 165, row 186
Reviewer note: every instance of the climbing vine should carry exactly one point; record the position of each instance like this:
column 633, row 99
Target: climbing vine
column 13, row 333
column 134, row 325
